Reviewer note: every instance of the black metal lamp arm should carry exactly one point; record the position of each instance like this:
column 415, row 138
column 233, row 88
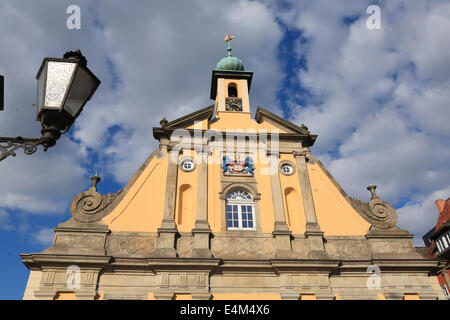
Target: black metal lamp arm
column 8, row 145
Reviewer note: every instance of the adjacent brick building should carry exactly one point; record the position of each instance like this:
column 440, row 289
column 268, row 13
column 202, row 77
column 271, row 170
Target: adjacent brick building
column 439, row 244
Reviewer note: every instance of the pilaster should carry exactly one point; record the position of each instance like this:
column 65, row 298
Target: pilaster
column 202, row 229
column 168, row 230
column 313, row 232
column 281, row 230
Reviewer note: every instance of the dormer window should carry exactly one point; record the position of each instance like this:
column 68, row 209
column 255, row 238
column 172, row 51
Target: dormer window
column 443, row 242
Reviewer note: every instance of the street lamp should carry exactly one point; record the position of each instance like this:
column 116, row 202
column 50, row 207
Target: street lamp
column 64, row 86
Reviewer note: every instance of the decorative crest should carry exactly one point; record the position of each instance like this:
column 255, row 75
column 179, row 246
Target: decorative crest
column 238, row 166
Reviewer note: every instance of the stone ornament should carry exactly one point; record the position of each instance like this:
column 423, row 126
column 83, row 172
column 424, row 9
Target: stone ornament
column 234, row 246
column 128, row 245
column 300, row 248
column 348, row 249
column 304, row 152
column 89, row 206
column 238, row 166
column 79, row 240
column 378, row 212
column 185, row 245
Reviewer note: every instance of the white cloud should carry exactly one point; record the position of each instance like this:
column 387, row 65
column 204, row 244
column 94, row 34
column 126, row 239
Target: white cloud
column 379, row 97
column 44, row 236
column 421, row 213
column 5, row 221
column 154, row 60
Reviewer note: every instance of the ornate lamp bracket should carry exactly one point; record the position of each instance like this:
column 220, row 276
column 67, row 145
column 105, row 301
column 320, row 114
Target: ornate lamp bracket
column 9, row 145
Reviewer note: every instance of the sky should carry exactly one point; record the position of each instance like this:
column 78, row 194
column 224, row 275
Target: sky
column 377, row 98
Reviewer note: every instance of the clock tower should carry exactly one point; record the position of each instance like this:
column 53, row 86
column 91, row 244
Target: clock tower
column 230, row 85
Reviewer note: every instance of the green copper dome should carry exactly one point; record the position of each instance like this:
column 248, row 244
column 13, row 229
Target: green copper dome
column 230, row 63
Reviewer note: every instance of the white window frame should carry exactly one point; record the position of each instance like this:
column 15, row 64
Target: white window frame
column 291, row 170
column 240, row 202
column 191, row 164
column 444, row 241
column 445, row 291
column 438, row 245
column 184, row 161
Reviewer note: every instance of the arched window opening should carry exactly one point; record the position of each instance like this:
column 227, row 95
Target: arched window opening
column 185, row 208
column 232, row 90
column 240, row 211
column 292, row 206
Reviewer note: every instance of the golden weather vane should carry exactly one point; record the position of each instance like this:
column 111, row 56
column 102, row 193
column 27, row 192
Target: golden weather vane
column 228, row 37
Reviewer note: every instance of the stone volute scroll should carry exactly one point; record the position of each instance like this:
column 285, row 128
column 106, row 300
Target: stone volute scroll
column 90, row 206
column 85, row 233
column 378, row 212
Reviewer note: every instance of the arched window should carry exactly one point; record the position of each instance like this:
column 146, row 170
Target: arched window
column 232, row 90
column 240, row 211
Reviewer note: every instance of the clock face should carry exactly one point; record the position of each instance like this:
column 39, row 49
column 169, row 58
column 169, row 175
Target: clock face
column 233, row 104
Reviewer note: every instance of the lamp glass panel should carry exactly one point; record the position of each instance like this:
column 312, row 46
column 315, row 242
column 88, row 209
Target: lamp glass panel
column 41, row 87
column 83, row 85
column 58, row 81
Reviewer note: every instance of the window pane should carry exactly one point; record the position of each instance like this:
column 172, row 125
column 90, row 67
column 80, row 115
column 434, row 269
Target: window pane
column 444, row 240
column 239, row 195
column 239, row 210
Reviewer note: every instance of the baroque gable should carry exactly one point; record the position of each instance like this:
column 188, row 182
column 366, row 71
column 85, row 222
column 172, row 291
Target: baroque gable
column 219, row 222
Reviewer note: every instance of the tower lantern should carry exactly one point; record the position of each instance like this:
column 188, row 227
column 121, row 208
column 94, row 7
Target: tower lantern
column 231, row 83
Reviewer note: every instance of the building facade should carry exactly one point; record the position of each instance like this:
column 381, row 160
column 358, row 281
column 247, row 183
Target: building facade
column 230, row 207
column 438, row 240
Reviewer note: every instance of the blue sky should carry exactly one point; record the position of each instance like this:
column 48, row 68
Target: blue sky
column 378, row 99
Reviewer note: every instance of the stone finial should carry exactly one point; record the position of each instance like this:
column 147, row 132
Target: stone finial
column 378, row 212
column 372, row 188
column 89, row 206
column 304, row 127
column 163, row 122
column 307, row 152
column 76, row 55
column 95, row 180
